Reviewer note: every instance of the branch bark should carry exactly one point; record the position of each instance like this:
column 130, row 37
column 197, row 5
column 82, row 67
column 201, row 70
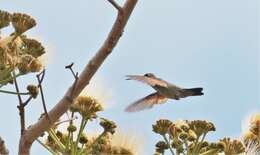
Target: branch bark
column 34, row 131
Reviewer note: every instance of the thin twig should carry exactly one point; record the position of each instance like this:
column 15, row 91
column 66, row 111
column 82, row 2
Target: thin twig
column 39, row 83
column 20, row 106
column 69, row 98
column 70, row 68
column 41, row 74
column 40, row 79
column 13, row 93
column 118, row 7
column 27, row 101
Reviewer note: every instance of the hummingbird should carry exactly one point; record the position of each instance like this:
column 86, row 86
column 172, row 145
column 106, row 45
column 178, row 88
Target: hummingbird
column 164, row 91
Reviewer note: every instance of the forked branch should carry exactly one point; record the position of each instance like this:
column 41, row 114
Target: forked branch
column 119, row 8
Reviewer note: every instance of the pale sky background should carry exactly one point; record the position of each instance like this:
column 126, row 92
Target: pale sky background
column 211, row 44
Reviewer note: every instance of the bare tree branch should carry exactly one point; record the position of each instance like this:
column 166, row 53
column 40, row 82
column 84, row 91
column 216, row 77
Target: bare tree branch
column 33, row 132
column 3, row 149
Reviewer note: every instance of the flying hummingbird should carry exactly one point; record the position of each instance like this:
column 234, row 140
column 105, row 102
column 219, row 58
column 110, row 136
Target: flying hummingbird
column 164, row 91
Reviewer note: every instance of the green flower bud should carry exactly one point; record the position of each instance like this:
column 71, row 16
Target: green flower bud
column 183, row 135
column 161, row 145
column 33, row 90
column 109, row 126
column 72, row 128
column 83, row 139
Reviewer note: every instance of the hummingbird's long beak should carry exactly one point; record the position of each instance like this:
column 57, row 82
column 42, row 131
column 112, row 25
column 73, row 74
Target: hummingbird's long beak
column 130, row 77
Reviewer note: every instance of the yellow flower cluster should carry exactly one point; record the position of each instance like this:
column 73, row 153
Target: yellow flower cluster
column 188, row 138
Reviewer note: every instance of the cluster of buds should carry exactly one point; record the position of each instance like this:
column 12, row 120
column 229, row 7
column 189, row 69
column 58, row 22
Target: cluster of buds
column 17, row 52
column 161, row 146
column 87, row 107
column 161, row 127
column 201, row 127
column 83, row 140
column 108, row 126
column 188, row 137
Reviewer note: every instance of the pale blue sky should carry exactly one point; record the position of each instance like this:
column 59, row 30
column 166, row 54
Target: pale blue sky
column 212, row 44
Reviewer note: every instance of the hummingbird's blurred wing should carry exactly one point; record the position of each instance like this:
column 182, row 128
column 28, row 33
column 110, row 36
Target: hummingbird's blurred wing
column 146, row 102
column 148, row 80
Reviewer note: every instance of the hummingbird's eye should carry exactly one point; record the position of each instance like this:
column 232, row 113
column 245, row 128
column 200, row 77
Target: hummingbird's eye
column 148, row 75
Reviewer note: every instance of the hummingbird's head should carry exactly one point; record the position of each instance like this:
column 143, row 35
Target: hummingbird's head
column 151, row 75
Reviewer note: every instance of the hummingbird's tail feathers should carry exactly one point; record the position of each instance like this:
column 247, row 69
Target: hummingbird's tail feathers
column 146, row 102
column 194, row 91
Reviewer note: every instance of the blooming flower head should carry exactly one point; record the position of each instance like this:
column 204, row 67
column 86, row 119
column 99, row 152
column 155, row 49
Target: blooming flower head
column 162, row 126
column 87, row 106
column 22, row 22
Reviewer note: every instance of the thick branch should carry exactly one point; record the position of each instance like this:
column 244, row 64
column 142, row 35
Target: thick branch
column 3, row 149
column 91, row 68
